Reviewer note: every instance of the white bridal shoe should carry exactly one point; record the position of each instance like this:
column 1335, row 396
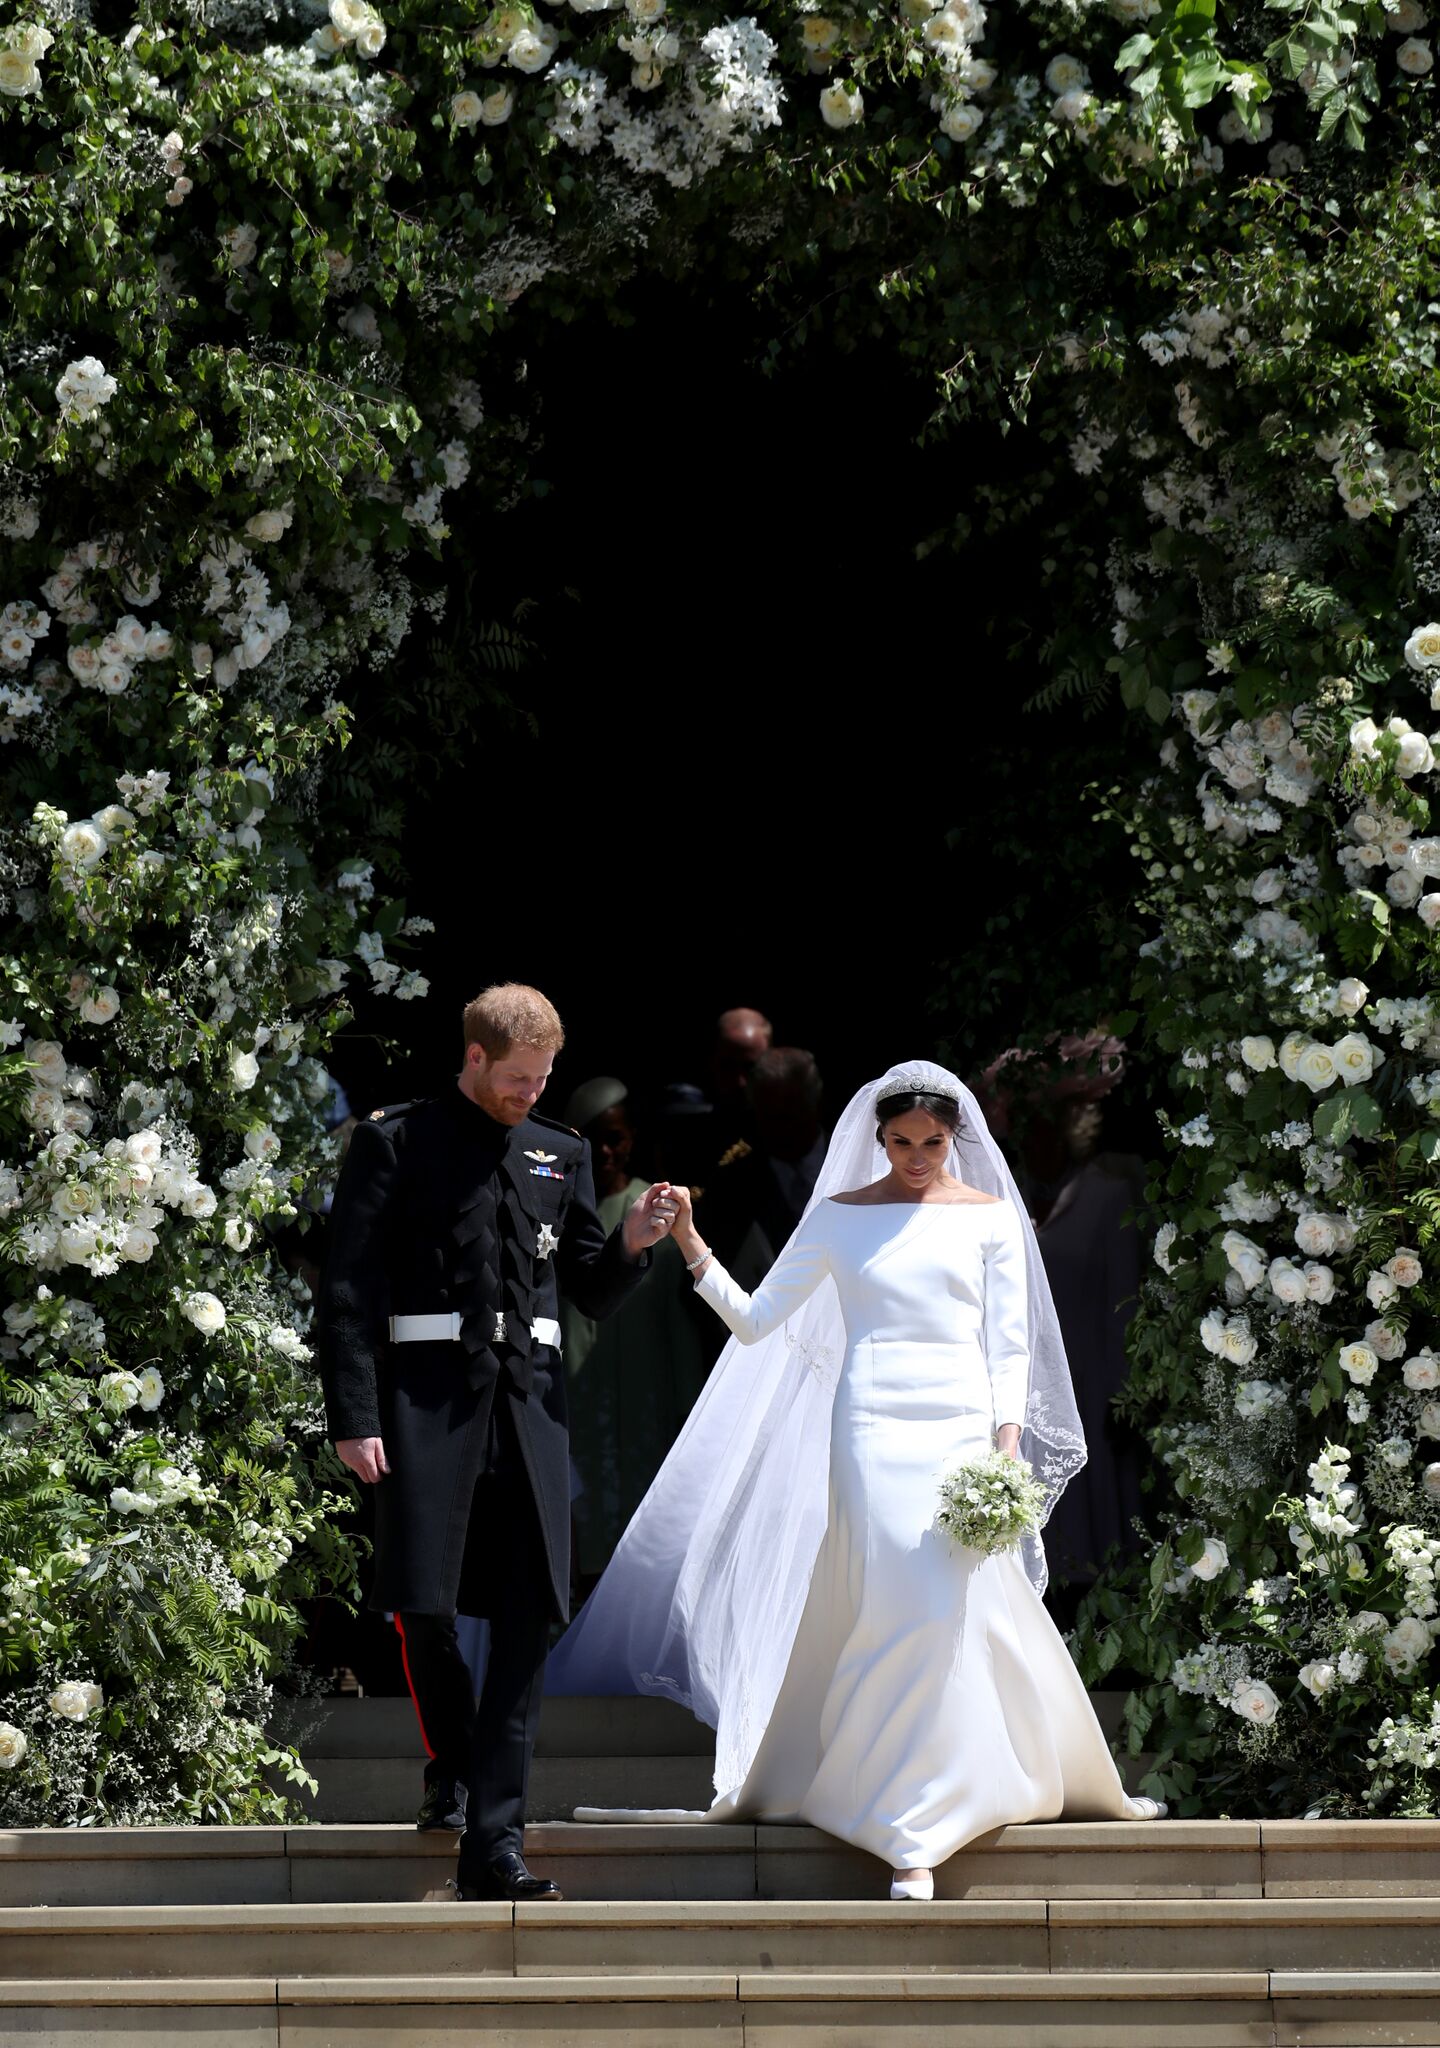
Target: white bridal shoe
column 912, row 1884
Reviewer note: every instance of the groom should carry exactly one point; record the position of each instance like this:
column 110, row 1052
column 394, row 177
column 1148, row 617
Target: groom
column 453, row 1223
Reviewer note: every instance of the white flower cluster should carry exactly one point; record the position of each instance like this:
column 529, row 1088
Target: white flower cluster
column 154, row 1487
column 108, row 664
column 84, row 387
column 1267, row 755
column 79, row 1206
column 238, row 594
column 1368, row 477
column 726, row 97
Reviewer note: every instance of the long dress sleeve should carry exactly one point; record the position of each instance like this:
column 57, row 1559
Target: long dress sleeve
column 791, row 1280
column 1007, row 1316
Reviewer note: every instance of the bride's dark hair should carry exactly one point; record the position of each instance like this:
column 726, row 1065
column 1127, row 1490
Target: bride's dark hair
column 940, row 1107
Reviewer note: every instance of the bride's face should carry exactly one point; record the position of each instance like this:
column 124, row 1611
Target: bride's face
column 917, row 1146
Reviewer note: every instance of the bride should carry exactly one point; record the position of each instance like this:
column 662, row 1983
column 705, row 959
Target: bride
column 784, row 1577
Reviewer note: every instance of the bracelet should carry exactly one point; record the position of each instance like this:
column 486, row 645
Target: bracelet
column 692, row 1264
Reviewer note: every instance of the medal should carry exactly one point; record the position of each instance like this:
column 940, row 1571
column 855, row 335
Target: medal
column 547, row 1242
column 497, row 1335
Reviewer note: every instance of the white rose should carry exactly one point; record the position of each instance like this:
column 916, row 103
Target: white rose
column 1422, row 649
column 1363, row 735
column 1350, row 995
column 465, row 108
column 533, row 48
column 1268, row 886
column 1404, row 888
column 1316, row 1067
column 961, row 121
column 1381, row 1291
column 497, row 106
column 1430, row 1477
column 1406, row 17
column 238, row 1233
column 140, row 1244
column 1404, row 1645
column 197, row 1200
column 1212, row 1560
column 1319, row 1282
column 1237, row 1345
column 205, row 1311
column 19, row 74
column 1070, row 106
column 1430, row 1419
column 1359, row 1363
column 83, row 844
column 348, row 17
column 152, row 1389
column 1287, row 1282
column 143, row 1148
column 13, row 1745
column 839, row 108
column 118, row 1392
column 1254, row 1700
column 269, row 523
column 1384, row 1341
column 1404, row 1269
column 818, row 33
column 77, row 1700
column 371, row 38
column 1354, row 1058
column 101, row 1006
column 244, row 1069
column 1414, row 57
column 1065, row 74
column 1258, row 1053
column 1292, row 1049
column 1428, row 910
column 1317, row 1678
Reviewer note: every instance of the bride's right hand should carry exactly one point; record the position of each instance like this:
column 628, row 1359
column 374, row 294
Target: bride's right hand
column 683, row 1228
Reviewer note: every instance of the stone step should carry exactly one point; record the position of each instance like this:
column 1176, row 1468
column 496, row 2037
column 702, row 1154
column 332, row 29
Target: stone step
column 446, row 1939
column 745, row 2009
column 367, row 1790
column 1055, row 1860
column 350, row 1727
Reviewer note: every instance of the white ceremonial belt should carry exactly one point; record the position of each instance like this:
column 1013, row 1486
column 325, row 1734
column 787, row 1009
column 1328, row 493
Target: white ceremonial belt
column 445, row 1329
column 425, row 1329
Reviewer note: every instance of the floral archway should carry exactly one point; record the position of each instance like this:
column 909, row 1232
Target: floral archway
column 269, row 266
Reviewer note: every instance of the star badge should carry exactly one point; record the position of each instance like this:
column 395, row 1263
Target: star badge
column 546, row 1242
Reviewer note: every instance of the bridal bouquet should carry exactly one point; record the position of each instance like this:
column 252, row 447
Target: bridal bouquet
column 990, row 1503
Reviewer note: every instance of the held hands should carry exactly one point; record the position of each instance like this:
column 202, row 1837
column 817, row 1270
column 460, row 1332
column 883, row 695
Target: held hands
column 1007, row 1439
column 365, row 1456
column 650, row 1219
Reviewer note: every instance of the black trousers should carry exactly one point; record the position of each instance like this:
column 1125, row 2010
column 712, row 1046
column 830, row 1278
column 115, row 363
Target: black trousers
column 486, row 1744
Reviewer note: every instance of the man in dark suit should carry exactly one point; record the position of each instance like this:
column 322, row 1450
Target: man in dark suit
column 455, row 1223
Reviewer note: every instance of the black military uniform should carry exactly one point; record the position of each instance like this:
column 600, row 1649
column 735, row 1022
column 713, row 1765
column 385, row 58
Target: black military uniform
column 442, row 1213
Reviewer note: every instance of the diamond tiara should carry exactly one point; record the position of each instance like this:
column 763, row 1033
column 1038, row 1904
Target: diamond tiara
column 920, row 1079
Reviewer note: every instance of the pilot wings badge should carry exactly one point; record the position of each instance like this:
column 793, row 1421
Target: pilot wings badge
column 545, row 1158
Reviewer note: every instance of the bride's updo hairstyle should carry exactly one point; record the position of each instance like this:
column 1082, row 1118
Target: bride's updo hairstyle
column 942, row 1107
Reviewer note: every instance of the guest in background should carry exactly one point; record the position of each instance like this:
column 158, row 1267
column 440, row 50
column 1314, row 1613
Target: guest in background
column 740, row 1037
column 633, row 1379
column 763, row 1183
column 1053, row 1106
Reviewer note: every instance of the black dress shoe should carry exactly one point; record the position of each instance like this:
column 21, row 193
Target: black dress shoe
column 505, row 1877
column 442, row 1810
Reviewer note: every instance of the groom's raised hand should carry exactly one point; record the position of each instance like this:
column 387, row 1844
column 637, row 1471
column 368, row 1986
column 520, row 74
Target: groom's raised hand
column 649, row 1219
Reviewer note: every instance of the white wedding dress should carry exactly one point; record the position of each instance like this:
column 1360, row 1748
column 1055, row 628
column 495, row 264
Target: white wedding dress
column 928, row 1696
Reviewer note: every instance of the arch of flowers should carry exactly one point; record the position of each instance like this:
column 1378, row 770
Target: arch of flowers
column 268, row 267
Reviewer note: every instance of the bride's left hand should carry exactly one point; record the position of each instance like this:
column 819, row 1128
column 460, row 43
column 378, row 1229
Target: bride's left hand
column 1007, row 1439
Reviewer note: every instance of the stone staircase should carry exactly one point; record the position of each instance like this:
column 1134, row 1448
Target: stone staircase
column 1180, row 1934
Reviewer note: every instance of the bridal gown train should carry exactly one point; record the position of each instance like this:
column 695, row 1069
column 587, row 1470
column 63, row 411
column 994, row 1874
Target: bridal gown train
column 928, row 1697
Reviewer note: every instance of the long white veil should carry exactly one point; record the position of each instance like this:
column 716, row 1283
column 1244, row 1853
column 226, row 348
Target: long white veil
column 703, row 1596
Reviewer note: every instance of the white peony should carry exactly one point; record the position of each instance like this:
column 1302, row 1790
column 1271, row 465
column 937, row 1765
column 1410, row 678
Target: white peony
column 1258, row 1053
column 842, row 109
column 1254, row 1700
column 13, row 1745
column 205, row 1311
column 77, row 1700
column 1212, row 1560
column 1317, row 1678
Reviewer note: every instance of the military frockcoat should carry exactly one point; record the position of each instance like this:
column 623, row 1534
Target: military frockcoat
column 442, row 1211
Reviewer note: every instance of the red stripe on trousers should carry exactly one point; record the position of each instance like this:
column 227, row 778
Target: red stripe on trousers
column 414, row 1696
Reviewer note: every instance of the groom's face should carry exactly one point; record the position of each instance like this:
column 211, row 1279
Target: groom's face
column 508, row 1086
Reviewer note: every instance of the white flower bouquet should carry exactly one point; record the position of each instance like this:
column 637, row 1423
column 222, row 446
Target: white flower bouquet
column 990, row 1503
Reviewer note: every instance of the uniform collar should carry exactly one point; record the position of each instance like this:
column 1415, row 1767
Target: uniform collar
column 477, row 1123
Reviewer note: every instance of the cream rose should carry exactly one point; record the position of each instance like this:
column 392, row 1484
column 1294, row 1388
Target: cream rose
column 1254, row 1700
column 1317, row 1677
column 532, row 49
column 1316, row 1067
column 1404, row 1269
column 1381, row 1291
column 19, row 74
column 13, row 1745
column 1292, row 1048
column 77, row 1700
column 1422, row 1372
column 961, row 121
column 1212, row 1560
column 205, row 1311
column 497, row 107
column 244, row 1069
column 1430, row 1419
column 1415, row 58
column 465, row 109
column 1354, row 1058
column 101, row 1006
column 1350, row 995
column 1422, row 649
column 1258, row 1053
column 1359, row 1364
column 842, row 109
